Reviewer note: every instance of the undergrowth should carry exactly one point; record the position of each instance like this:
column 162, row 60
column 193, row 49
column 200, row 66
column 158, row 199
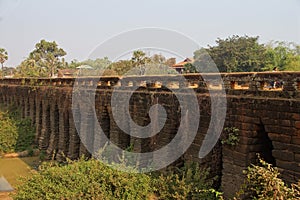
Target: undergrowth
column 16, row 134
column 92, row 179
column 8, row 134
column 263, row 183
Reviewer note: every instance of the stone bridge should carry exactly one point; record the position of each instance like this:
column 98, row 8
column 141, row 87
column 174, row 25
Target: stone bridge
column 268, row 118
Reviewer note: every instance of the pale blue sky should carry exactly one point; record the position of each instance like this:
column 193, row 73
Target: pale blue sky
column 78, row 26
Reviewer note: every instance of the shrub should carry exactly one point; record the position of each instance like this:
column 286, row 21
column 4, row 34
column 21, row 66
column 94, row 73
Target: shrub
column 189, row 182
column 263, row 183
column 92, row 179
column 232, row 134
column 16, row 134
column 26, row 134
column 83, row 180
column 8, row 134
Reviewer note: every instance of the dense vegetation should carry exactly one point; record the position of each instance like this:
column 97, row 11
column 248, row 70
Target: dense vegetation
column 138, row 64
column 232, row 54
column 8, row 134
column 246, row 54
column 43, row 61
column 263, row 183
column 92, row 179
column 16, row 134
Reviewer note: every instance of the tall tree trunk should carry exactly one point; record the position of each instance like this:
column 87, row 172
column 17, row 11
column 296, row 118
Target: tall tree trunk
column 2, row 70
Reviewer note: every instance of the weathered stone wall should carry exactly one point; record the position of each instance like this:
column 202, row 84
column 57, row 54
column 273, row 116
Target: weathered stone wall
column 268, row 119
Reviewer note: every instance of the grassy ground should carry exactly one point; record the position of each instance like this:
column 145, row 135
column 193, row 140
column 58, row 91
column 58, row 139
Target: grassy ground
column 5, row 196
column 13, row 168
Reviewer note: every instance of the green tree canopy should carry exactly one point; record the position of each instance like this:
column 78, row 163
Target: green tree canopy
column 203, row 62
column 134, row 66
column 190, row 68
column 29, row 68
column 245, row 54
column 235, row 54
column 139, row 62
column 99, row 66
column 158, row 58
column 3, row 57
column 43, row 61
column 99, row 63
column 121, row 67
column 284, row 55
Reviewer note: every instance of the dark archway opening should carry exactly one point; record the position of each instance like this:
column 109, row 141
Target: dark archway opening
column 266, row 153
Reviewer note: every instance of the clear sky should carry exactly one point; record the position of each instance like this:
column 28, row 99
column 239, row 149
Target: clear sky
column 78, row 26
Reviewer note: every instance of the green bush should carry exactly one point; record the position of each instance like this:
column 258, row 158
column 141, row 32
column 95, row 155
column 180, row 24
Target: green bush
column 26, row 134
column 263, row 183
column 8, row 134
column 16, row 134
column 84, row 180
column 232, row 134
column 189, row 182
column 92, row 179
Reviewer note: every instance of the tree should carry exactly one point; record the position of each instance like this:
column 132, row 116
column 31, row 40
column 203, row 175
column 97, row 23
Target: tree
column 3, row 57
column 190, row 68
column 158, row 58
column 203, row 62
column 98, row 64
column 159, row 65
column 121, row 67
column 139, row 60
column 47, row 55
column 283, row 55
column 73, row 64
column 170, row 62
column 140, row 64
column 236, row 54
column 29, row 68
column 135, row 66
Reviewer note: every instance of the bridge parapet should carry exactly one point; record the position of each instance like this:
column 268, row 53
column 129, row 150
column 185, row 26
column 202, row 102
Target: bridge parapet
column 249, row 81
